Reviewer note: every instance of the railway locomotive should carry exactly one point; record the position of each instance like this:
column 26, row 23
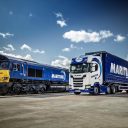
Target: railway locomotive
column 23, row 76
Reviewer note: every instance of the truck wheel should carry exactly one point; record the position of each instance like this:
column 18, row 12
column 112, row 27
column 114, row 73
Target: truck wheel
column 113, row 89
column 77, row 93
column 126, row 91
column 96, row 91
column 108, row 90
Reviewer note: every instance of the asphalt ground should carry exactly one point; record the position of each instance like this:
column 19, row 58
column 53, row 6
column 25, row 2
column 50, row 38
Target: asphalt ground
column 64, row 110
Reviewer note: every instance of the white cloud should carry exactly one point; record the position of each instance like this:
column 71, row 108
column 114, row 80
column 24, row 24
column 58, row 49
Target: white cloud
column 72, row 46
column 61, row 23
column 119, row 38
column 62, row 61
column 66, row 49
column 59, row 15
column 9, row 47
column 84, row 36
column 38, row 51
column 10, row 12
column 27, row 57
column 25, row 46
column 4, row 35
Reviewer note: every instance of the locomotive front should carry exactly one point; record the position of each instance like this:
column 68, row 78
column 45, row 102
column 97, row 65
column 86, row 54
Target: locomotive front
column 4, row 74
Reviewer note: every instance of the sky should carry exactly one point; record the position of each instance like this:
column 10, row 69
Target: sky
column 55, row 31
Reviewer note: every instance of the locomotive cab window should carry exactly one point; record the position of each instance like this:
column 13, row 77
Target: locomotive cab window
column 4, row 65
column 15, row 67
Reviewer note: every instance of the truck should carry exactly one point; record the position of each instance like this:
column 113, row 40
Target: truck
column 98, row 72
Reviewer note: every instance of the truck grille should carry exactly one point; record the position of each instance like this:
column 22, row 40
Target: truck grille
column 78, row 82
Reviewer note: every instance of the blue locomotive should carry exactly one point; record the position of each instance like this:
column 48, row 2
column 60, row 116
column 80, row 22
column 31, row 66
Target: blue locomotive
column 19, row 75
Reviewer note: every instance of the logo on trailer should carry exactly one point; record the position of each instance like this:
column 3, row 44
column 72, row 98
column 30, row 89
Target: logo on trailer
column 118, row 69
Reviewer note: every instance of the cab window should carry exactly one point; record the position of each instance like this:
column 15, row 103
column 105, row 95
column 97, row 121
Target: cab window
column 16, row 67
column 94, row 67
column 4, row 65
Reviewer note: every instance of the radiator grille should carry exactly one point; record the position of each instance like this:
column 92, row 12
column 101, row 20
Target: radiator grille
column 78, row 82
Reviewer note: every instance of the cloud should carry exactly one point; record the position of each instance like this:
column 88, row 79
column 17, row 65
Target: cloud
column 59, row 15
column 72, row 46
column 84, row 36
column 61, row 61
column 9, row 47
column 27, row 57
column 4, row 35
column 25, row 46
column 119, row 38
column 61, row 23
column 66, row 49
column 38, row 51
column 10, row 12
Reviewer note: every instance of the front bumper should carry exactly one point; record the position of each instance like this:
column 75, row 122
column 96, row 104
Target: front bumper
column 89, row 90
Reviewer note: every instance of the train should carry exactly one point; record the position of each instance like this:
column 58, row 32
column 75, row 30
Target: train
column 23, row 76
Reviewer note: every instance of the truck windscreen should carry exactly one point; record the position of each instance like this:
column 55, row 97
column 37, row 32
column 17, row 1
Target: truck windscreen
column 79, row 68
column 4, row 65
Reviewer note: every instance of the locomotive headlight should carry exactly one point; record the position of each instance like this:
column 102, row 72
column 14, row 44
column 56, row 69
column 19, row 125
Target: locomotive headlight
column 5, row 78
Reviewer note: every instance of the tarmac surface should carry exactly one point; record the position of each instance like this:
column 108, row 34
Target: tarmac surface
column 63, row 110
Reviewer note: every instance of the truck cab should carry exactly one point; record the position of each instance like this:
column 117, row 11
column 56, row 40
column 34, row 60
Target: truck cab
column 85, row 74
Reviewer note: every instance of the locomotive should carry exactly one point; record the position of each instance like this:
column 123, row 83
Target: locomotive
column 24, row 76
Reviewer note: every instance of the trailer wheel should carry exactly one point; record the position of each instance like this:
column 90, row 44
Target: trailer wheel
column 96, row 91
column 113, row 89
column 108, row 90
column 77, row 93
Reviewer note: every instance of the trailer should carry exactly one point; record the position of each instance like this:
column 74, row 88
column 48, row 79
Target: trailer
column 98, row 72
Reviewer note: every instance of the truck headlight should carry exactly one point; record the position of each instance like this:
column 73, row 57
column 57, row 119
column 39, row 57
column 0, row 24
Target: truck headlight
column 87, row 86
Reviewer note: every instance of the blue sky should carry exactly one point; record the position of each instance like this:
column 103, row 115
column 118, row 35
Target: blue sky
column 54, row 31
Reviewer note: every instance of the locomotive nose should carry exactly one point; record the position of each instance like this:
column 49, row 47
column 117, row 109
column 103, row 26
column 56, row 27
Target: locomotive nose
column 4, row 76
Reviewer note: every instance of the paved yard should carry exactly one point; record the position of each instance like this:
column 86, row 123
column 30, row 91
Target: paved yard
column 64, row 111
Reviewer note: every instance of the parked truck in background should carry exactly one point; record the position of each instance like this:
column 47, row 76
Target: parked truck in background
column 98, row 72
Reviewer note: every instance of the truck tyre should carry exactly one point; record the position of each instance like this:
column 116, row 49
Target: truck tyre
column 77, row 93
column 108, row 90
column 113, row 89
column 126, row 91
column 96, row 91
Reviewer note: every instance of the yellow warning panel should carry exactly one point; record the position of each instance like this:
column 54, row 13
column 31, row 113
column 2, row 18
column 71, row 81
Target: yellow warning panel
column 4, row 76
